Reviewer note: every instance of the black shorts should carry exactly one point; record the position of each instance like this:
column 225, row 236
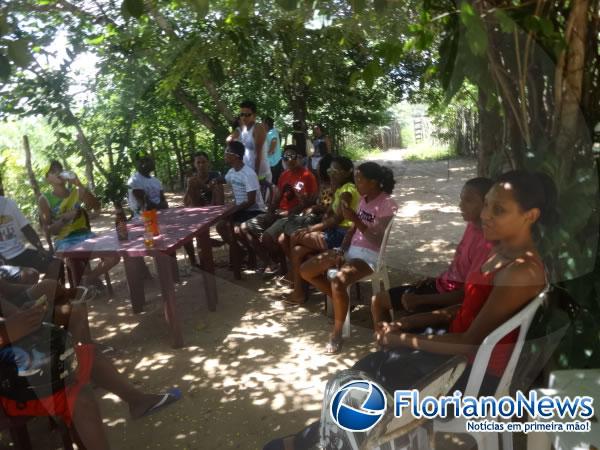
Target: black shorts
column 244, row 215
column 32, row 258
column 397, row 292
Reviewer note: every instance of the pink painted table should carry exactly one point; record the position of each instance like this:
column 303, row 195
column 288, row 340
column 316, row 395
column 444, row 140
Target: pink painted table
column 178, row 226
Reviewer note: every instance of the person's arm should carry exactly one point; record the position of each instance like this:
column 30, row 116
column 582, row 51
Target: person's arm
column 259, row 141
column 513, row 288
column 86, row 196
column 140, row 198
column 218, row 194
column 272, row 146
column 8, row 290
column 275, row 200
column 412, row 302
column 251, row 200
column 163, row 201
column 438, row 318
column 234, row 136
column 53, row 226
column 334, row 219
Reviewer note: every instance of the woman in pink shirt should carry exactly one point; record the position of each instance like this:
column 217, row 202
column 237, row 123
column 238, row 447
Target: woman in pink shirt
column 358, row 254
column 447, row 289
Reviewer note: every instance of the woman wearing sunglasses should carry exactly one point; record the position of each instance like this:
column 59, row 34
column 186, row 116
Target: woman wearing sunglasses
column 330, row 232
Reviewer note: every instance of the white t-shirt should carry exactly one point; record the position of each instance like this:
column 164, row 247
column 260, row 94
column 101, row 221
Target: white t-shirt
column 11, row 222
column 150, row 185
column 247, row 138
column 243, row 181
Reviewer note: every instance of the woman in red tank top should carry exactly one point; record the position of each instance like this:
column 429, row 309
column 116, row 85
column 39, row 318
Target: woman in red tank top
column 511, row 277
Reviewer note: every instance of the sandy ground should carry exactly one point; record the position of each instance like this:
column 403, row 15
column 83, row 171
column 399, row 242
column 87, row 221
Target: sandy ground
column 254, row 369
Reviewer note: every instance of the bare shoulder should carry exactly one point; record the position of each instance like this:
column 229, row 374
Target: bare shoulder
column 524, row 271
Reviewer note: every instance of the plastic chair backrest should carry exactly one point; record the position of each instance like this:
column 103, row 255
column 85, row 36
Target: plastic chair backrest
column 384, row 242
column 520, row 320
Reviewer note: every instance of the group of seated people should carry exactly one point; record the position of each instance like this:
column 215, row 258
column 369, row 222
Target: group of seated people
column 334, row 217
column 496, row 271
column 25, row 302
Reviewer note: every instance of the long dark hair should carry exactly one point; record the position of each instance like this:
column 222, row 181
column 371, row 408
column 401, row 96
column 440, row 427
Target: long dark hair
column 373, row 171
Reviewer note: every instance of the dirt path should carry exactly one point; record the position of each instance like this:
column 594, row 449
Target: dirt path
column 254, row 369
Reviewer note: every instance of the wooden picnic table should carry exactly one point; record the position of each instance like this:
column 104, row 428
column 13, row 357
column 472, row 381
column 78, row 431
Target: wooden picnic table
column 178, row 226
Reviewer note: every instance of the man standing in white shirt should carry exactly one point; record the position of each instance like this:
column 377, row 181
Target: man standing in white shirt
column 246, row 192
column 253, row 136
column 145, row 191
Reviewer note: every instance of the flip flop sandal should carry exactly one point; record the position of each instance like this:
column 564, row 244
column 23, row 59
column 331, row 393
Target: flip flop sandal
column 334, row 346
column 170, row 397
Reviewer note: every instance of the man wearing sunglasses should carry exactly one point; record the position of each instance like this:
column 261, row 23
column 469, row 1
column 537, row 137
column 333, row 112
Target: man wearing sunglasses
column 296, row 191
column 253, row 136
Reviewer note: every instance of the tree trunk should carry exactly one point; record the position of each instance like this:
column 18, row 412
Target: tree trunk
column 569, row 82
column 32, row 180
column 192, row 106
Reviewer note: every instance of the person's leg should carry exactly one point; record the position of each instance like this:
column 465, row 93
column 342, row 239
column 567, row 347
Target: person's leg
column 106, row 376
column 383, row 302
column 269, row 242
column 105, row 264
column 87, row 421
column 303, row 244
column 252, row 231
column 349, row 273
column 284, row 245
column 298, row 295
column 314, row 271
column 75, row 319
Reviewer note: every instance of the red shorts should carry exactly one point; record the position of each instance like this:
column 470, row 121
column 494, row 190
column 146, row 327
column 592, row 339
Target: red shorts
column 61, row 403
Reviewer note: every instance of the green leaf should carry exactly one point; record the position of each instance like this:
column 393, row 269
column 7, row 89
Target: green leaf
column 4, row 67
column 358, row 5
column 288, row 5
column 466, row 12
column 201, row 7
column 380, row 5
column 19, row 53
column 96, row 40
column 507, row 24
column 135, row 8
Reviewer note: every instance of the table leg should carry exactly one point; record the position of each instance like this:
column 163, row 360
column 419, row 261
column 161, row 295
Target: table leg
column 175, row 268
column 75, row 270
column 208, row 271
column 167, row 287
column 134, row 272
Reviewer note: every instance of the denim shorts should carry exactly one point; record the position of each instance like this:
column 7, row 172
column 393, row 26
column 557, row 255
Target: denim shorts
column 334, row 236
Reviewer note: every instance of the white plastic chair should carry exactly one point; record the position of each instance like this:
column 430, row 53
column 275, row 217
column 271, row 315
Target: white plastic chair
column 522, row 321
column 379, row 275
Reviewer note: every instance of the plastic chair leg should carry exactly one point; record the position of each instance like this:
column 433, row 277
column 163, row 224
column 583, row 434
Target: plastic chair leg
column 346, row 328
column 109, row 287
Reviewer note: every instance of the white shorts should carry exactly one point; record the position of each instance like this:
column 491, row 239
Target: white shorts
column 367, row 255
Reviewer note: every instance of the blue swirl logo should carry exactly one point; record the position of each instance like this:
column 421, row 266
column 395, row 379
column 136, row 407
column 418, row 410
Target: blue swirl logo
column 358, row 405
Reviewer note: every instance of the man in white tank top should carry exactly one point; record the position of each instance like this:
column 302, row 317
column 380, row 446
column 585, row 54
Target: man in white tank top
column 253, row 137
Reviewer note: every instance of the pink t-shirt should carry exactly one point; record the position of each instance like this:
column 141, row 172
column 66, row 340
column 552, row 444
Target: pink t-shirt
column 371, row 214
column 471, row 253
